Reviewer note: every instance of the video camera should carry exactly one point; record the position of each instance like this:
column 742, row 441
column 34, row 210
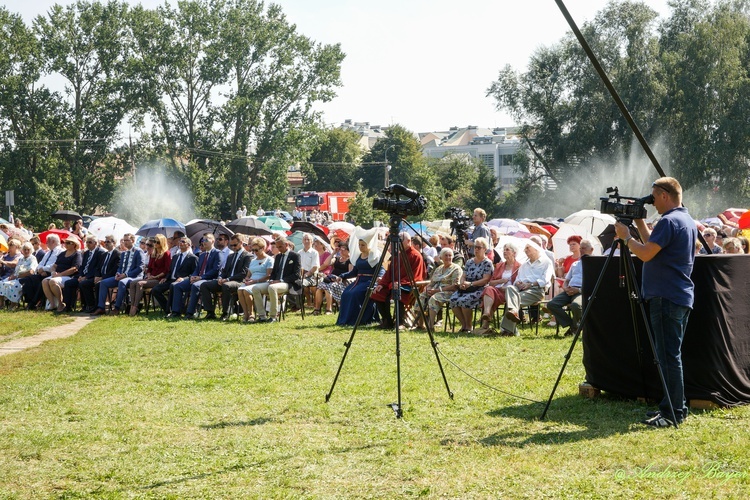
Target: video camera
column 460, row 222
column 625, row 212
column 415, row 205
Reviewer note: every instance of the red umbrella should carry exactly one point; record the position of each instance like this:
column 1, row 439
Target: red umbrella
column 733, row 214
column 744, row 221
column 59, row 232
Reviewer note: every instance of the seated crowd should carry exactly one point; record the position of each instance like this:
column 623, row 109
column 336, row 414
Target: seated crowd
column 254, row 278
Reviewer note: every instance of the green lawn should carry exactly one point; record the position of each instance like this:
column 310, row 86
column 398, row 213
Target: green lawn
column 132, row 408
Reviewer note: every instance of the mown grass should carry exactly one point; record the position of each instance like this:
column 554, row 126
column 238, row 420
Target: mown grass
column 25, row 323
column 133, row 408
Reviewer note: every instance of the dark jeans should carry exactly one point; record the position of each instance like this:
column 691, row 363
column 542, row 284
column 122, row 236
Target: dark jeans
column 668, row 322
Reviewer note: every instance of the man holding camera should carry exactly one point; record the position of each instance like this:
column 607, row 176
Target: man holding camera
column 668, row 255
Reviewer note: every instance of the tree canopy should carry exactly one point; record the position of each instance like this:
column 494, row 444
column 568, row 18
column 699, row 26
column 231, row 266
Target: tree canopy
column 219, row 95
column 684, row 80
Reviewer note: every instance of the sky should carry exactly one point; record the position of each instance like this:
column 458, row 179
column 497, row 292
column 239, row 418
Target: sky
column 422, row 64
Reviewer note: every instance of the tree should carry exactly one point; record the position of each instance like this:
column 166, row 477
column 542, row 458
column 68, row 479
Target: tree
column 86, row 44
column 334, row 160
column 360, row 209
column 276, row 75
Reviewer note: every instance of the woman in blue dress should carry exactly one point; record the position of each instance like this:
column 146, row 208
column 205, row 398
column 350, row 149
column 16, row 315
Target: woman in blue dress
column 365, row 256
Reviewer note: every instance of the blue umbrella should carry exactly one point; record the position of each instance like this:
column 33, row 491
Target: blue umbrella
column 167, row 227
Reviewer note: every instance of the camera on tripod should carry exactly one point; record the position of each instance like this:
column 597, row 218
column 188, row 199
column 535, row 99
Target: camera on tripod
column 626, row 212
column 460, row 222
column 415, row 205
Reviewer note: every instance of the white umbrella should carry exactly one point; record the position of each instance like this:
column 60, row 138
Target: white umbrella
column 439, row 226
column 560, row 239
column 508, row 226
column 104, row 226
column 593, row 220
column 518, row 243
column 347, row 227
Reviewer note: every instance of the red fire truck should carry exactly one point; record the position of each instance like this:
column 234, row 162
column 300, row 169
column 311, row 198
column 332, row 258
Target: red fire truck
column 335, row 203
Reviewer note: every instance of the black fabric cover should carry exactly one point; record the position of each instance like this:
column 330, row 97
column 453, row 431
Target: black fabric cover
column 716, row 349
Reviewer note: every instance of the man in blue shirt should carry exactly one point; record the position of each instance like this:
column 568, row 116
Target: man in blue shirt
column 668, row 255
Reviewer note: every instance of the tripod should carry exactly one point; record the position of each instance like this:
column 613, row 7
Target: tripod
column 627, row 278
column 396, row 247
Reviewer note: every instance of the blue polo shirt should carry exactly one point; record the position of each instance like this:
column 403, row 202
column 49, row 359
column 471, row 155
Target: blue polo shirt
column 667, row 275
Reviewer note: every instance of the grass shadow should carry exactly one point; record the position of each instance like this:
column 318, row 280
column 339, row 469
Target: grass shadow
column 241, row 423
column 585, row 419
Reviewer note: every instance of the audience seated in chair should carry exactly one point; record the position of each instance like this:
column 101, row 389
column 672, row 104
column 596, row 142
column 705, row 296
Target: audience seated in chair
column 477, row 273
column 493, row 295
column 534, row 277
column 443, row 283
column 229, row 280
column 285, row 276
column 571, row 294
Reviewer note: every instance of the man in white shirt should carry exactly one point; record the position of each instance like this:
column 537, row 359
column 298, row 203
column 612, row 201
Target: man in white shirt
column 241, row 212
column 260, row 212
column 534, row 276
column 571, row 294
column 32, row 285
column 310, row 262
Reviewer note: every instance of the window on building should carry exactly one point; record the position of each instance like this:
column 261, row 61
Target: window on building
column 488, row 160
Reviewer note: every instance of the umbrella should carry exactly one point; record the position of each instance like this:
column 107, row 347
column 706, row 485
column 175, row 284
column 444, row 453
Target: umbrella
column 251, row 226
column 296, row 238
column 566, row 230
column 196, row 228
column 337, row 226
column 712, row 221
column 440, row 226
column 549, row 227
column 17, row 234
column 166, row 226
column 3, row 244
column 732, row 215
column 309, row 227
column 507, row 226
column 417, row 228
column 593, row 220
column 744, row 221
column 59, row 232
column 274, row 223
column 66, row 215
column 104, row 226
column 535, row 228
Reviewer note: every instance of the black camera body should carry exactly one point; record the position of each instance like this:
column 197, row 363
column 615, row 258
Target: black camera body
column 460, row 222
column 626, row 212
column 416, row 204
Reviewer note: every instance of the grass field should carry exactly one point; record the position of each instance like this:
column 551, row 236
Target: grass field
column 144, row 407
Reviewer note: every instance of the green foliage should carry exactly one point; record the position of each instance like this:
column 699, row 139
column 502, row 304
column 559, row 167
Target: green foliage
column 361, row 211
column 685, row 80
column 163, row 67
column 334, row 160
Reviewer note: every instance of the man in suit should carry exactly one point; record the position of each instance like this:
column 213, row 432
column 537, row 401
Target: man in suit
column 38, row 250
column 90, row 263
column 108, row 268
column 207, row 268
column 285, row 275
column 129, row 269
column 230, row 279
column 183, row 265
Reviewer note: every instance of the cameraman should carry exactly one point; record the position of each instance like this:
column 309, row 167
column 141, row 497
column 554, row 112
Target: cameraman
column 481, row 229
column 668, row 255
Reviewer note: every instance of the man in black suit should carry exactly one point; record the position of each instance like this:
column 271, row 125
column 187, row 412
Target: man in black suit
column 108, row 268
column 229, row 280
column 285, row 275
column 183, row 265
column 90, row 263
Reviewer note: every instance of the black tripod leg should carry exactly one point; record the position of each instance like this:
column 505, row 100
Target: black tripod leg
column 423, row 314
column 348, row 344
column 580, row 325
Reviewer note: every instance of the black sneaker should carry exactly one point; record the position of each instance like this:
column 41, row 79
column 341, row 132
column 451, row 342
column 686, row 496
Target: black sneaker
column 658, row 421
